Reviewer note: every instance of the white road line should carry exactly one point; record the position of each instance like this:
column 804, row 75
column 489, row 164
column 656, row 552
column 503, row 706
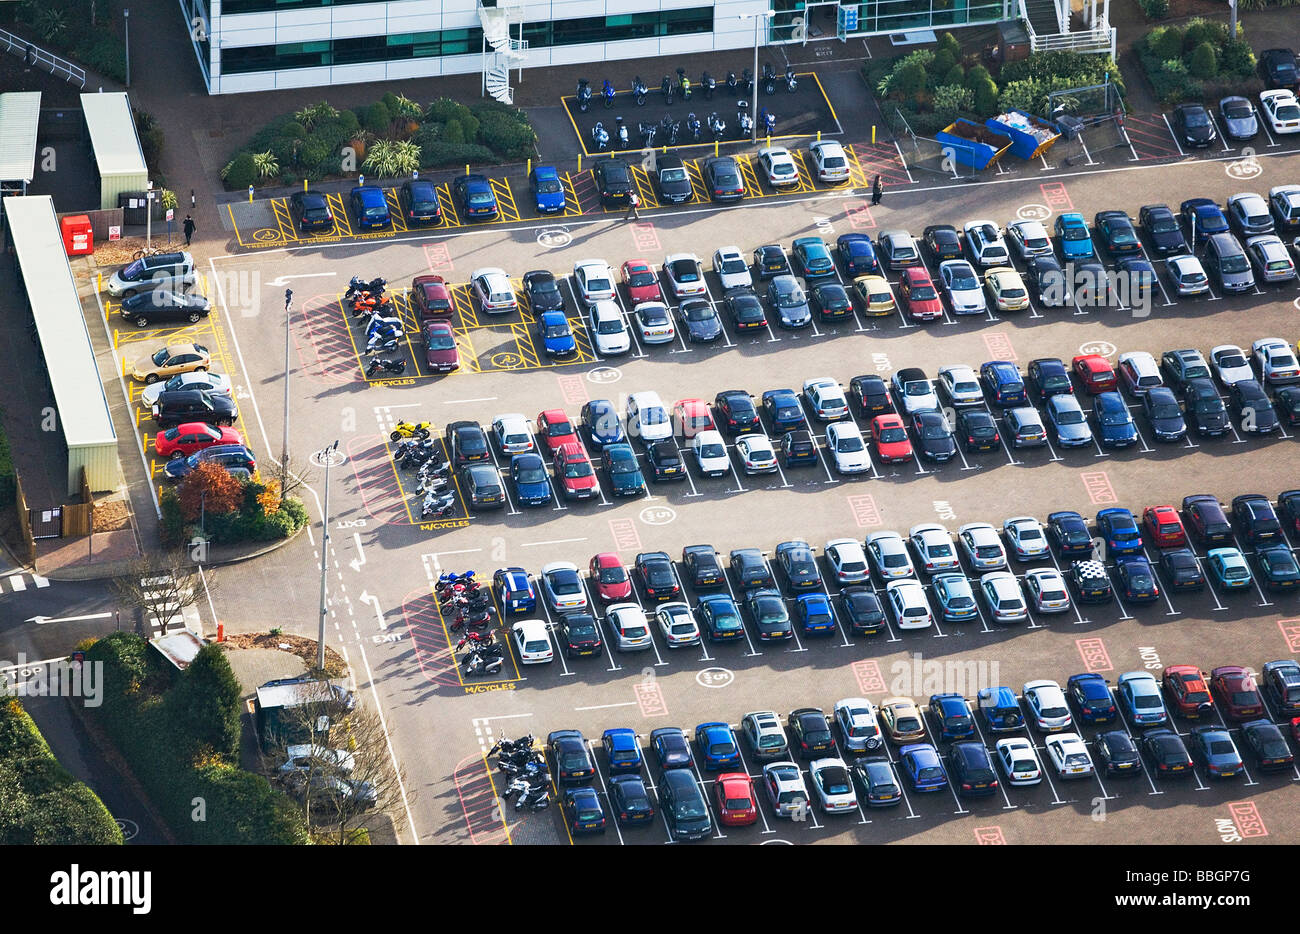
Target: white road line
column 552, row 541
column 606, row 706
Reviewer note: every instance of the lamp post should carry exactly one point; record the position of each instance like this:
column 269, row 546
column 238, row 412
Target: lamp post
column 757, row 18
column 327, row 457
column 126, row 42
column 284, row 447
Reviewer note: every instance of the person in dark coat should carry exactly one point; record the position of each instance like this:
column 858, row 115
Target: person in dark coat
column 877, row 191
column 188, row 228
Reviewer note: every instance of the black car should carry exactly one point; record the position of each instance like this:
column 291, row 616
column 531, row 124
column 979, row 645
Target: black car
column 1282, row 683
column 977, row 430
column 1049, row 282
column 311, row 211
column 1286, row 402
column 875, row 779
column 578, row 634
column 701, row 323
column 972, row 772
column 1192, row 125
column 1137, row 579
column 1141, row 276
column 745, row 309
column 178, row 406
column 722, row 179
column 811, row 732
column 871, row 395
column 770, row 261
column 466, row 443
column 614, row 179
column 1166, row 752
column 542, row 292
column 1254, row 519
column 1048, row 377
column 862, row 610
column 665, row 461
column 684, row 808
column 1206, row 519
column 1275, row 566
column 1068, row 533
column 672, row 183
column 144, row 308
column 1252, row 408
column 1204, row 409
column 702, row 566
column 798, row 564
column 1278, row 68
column 481, row 485
column 569, row 757
column 771, row 619
column 831, row 302
column 1160, row 406
column 1091, row 582
column 736, row 412
column 630, row 800
column 1288, row 509
column 419, row 200
column 1116, row 231
column 930, row 433
column 1163, row 229
column 750, row 569
column 653, row 570
column 1182, row 570
column 671, row 747
column 1091, row 288
column 1268, row 745
column 1117, row 754
column 943, row 242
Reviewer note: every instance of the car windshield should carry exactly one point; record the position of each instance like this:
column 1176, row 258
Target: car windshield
column 700, row 312
column 732, row 266
column 1235, row 263
column 1075, row 233
column 923, row 293
column 849, row 445
column 547, row 288
column 441, row 341
column 790, row 299
column 1165, row 410
column 688, row 810
column 1236, row 110
column 609, row 326
column 560, row 329
column 532, row 475
column 1196, row 117
column 548, row 185
column 1069, row 417
column 712, row 450
column 612, row 575
column 933, row 431
column 672, row 175
column 917, row 388
column 640, row 279
column 893, row 434
column 963, row 280
column 1115, row 418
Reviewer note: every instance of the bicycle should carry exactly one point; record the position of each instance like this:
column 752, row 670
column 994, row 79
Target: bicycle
column 146, row 251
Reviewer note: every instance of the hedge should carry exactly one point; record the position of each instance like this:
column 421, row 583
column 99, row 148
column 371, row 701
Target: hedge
column 1197, row 62
column 41, row 802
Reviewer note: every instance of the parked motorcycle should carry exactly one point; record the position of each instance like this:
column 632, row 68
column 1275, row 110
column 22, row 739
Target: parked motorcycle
column 733, row 88
column 647, row 131
column 744, row 122
column 791, row 82
column 746, row 81
column 600, row 137
column 638, row 91
column 693, row 127
column 769, row 79
column 666, row 89
column 607, row 94
column 683, row 85
column 717, row 126
column 768, row 121
column 584, row 95
column 395, row 367
column 410, row 430
column 709, row 85
column 621, row 132
column 383, row 342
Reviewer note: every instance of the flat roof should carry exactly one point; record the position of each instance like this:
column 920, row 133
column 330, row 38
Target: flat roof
column 112, row 134
column 180, row 647
column 19, row 113
column 65, row 342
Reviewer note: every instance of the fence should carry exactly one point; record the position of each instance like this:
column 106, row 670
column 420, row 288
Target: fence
column 79, row 518
column 28, row 550
column 929, row 155
column 38, row 57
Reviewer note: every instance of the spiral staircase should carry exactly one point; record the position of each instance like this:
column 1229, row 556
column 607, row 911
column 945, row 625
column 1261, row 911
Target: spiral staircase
column 507, row 51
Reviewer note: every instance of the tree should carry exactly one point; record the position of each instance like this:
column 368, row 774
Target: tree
column 206, row 702
column 161, row 585
column 1204, row 62
column 210, row 488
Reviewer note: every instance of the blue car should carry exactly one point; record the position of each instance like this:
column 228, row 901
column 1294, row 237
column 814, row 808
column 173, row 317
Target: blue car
column 953, row 715
column 720, row 617
column 622, row 750
column 474, row 196
column 1112, row 420
column 1204, row 218
column 1137, row 579
column 672, row 748
column 1120, row 531
column 1217, row 750
column 556, row 335
column 814, row 611
column 956, row 599
column 1139, row 695
column 622, row 469
column 1091, row 697
column 923, row 767
column 1068, row 531
column 600, row 420
column 370, row 206
column 718, row 747
column 1001, row 709
column 514, row 591
column 858, row 254
column 1003, row 383
column 1228, row 568
column 783, row 409
column 532, row 483
column 1073, row 237
column 812, row 257
column 544, row 185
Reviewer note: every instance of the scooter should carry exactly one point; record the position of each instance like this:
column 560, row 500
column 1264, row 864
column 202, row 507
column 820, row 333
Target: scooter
column 396, row 367
column 384, row 342
column 746, row 81
column 410, row 430
column 791, row 82
column 769, row 79
column 430, row 482
column 536, row 798
column 607, row 94
column 647, row 131
column 600, row 137
column 478, row 664
column 744, row 122
column 683, row 85
column 378, row 324
column 768, row 121
column 638, row 91
column 717, row 126
column 584, row 95
column 709, row 85
column 666, row 89
column 733, row 88
column 436, row 506
column 693, row 126
column 621, row 132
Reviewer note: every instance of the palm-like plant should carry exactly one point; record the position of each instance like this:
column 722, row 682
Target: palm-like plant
column 318, row 112
column 406, row 157
column 381, row 159
column 266, row 164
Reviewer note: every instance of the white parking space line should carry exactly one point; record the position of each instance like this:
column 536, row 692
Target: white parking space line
column 1173, row 135
column 613, row 818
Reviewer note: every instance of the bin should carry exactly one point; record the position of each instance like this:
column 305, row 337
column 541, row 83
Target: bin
column 973, row 144
column 1030, row 136
column 78, row 238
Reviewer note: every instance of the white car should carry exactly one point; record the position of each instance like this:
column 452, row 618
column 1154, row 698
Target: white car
column 1188, row 275
column 889, row 556
column 847, row 560
column 562, row 587
column 984, row 241
column 961, row 385
column 1002, row 594
column 677, row 624
column 654, row 322
column 1027, row 538
column 1047, row 707
column 647, row 417
column 826, row 398
column 609, row 329
column 848, row 450
column 197, row 379
column 731, row 269
column 786, row 791
column 628, row 627
column 779, row 166
column 1230, row 364
column 1069, row 756
column 711, row 453
column 1047, row 590
column 1276, row 361
column 908, row 604
column 916, row 395
column 858, row 724
column 1281, row 109
column 492, row 288
column 933, row 544
column 833, row 785
column 829, row 161
column 532, row 642
column 683, row 275
column 594, row 280
column 512, row 434
column 1030, row 238
column 960, row 282
column 1018, row 761
column 756, row 454
column 983, row 547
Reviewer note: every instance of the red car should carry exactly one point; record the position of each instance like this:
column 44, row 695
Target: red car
column 555, row 430
column 610, row 577
column 573, row 469
column 184, row 440
column 1186, row 692
column 440, row 351
column 430, row 297
column 1295, row 728
column 1095, row 372
column 1235, row 689
column 919, row 295
column 735, row 799
column 641, row 282
column 691, row 416
column 890, row 436
column 1164, row 527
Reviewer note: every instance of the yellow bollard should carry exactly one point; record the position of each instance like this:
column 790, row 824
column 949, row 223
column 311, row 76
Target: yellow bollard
column 466, row 168
column 715, row 148
column 304, row 184
column 250, row 194
column 873, row 134
column 819, row 136
column 579, row 162
column 530, row 165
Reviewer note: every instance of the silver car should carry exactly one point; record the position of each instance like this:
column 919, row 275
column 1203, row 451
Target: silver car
column 961, row 386
column 856, row 717
column 790, row 302
column 786, row 791
column 1188, row 275
column 677, row 624
column 1026, row 427
column 933, row 544
column 889, row 556
column 1067, row 418
column 983, row 547
column 1002, row 594
column 628, row 627
column 833, row 784
column 1047, row 590
column 1047, row 707
column 1269, row 256
column 1239, row 118
column 1028, row 541
column 847, row 560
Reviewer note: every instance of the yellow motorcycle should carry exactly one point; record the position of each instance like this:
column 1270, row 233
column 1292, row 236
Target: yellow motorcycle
column 410, row 430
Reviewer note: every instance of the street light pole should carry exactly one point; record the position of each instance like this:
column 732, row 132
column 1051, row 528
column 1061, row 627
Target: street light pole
column 327, row 456
column 284, row 447
column 126, row 42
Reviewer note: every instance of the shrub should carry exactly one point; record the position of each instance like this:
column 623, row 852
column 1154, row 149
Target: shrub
column 956, row 75
column 8, row 486
column 209, row 488
column 976, row 75
column 907, row 82
column 348, row 121
column 206, row 702
column 445, row 153
column 950, row 101
column 427, row 135
column 173, row 523
column 1237, row 58
column 1203, row 62
column 943, row 62
column 377, row 118
column 948, row 43
column 444, row 109
column 453, row 132
column 1155, row 9
column 1024, row 95
column 1165, row 42
column 506, row 136
column 986, row 98
column 242, row 171
column 1201, row 30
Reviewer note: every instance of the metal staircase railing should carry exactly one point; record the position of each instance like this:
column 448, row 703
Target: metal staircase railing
column 36, row 56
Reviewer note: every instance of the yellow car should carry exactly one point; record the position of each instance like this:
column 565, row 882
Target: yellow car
column 167, row 361
column 874, row 294
column 902, row 720
column 1006, row 288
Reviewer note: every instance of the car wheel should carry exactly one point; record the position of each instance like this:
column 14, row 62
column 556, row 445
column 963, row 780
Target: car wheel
column 194, row 317
column 151, row 378
column 176, row 455
column 200, row 369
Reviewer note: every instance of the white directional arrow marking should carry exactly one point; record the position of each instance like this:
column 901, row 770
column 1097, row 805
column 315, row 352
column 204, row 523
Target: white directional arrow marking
column 360, row 559
column 281, row 280
column 374, row 601
column 42, row 620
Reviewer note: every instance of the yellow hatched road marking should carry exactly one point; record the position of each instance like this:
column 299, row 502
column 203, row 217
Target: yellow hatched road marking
column 507, row 210
column 451, row 218
column 524, row 343
column 699, row 191
column 284, row 218
column 645, row 188
column 342, row 222
column 395, row 210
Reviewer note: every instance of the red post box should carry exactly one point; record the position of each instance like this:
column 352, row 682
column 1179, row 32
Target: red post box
column 78, row 239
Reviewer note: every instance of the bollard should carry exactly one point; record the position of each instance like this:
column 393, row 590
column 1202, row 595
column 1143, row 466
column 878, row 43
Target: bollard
column 221, row 632
column 466, row 168
column 819, row 136
column 361, row 180
column 873, row 134
column 250, row 194
column 530, row 165
column 715, row 148
column 304, row 184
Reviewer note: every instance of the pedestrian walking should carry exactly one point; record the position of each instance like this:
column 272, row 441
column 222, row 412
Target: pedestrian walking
column 877, row 191
column 633, row 202
column 188, row 227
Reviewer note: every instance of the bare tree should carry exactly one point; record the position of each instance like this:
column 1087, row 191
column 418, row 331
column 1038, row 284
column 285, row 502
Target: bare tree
column 162, row 585
column 294, row 473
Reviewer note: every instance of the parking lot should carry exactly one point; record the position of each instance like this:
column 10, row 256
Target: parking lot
column 384, row 553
